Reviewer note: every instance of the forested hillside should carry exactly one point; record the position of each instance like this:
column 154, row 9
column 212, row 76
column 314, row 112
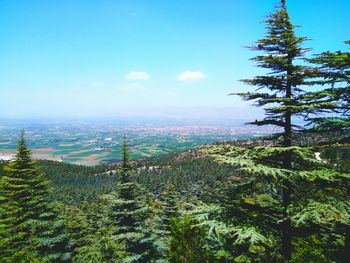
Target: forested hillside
column 215, row 203
column 283, row 198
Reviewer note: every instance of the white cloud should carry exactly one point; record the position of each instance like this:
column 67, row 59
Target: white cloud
column 137, row 75
column 191, row 75
column 98, row 84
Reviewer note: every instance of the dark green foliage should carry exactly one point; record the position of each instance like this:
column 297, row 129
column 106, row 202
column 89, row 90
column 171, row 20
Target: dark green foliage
column 29, row 222
column 101, row 247
column 167, row 210
column 239, row 220
column 74, row 184
column 128, row 214
column 78, row 227
column 187, row 242
column 318, row 205
column 240, row 241
column 126, row 165
column 282, row 96
column 91, row 234
column 333, row 72
column 170, row 206
column 310, row 250
column 192, row 174
column 280, row 91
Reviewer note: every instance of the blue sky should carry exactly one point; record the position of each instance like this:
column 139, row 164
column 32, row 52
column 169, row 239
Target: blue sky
column 110, row 58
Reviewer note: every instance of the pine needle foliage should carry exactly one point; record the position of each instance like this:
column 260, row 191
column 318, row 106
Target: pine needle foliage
column 281, row 93
column 101, row 247
column 29, row 221
column 187, row 242
column 318, row 203
column 226, row 241
column 281, row 90
column 170, row 206
column 333, row 72
column 128, row 213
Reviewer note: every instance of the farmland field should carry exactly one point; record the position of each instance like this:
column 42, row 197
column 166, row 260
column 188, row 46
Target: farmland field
column 91, row 143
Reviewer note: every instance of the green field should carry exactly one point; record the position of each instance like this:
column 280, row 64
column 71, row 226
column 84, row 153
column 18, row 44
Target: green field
column 90, row 144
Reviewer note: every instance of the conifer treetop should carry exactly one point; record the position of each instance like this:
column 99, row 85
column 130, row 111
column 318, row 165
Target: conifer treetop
column 283, row 4
column 280, row 91
column 125, row 161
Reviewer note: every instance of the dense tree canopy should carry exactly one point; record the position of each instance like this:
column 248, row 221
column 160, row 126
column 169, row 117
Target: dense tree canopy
column 29, row 223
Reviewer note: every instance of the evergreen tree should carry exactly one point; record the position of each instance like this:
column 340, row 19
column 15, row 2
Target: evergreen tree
column 78, row 228
column 319, row 203
column 166, row 212
column 170, row 206
column 282, row 93
column 333, row 71
column 187, row 242
column 29, row 222
column 101, row 247
column 228, row 240
column 126, row 166
column 128, row 213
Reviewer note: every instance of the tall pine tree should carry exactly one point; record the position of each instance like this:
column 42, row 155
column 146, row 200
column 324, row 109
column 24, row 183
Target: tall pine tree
column 280, row 93
column 128, row 212
column 29, row 223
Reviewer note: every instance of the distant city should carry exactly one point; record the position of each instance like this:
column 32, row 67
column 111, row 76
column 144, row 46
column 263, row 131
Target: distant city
column 95, row 142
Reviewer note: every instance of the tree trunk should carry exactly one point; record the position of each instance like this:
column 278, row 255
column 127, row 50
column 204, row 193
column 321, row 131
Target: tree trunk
column 286, row 194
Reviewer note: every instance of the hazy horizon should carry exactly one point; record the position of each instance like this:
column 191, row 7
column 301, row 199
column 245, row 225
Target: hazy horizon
column 166, row 113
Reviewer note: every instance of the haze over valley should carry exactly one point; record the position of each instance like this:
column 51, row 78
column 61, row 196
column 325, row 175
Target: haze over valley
column 91, row 142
